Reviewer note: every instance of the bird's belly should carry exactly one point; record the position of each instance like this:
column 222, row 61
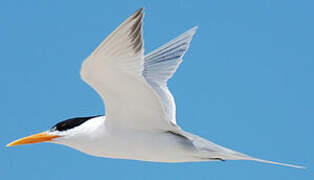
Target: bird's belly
column 145, row 146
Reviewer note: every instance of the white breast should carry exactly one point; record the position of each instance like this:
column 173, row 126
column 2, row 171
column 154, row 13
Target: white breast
column 95, row 138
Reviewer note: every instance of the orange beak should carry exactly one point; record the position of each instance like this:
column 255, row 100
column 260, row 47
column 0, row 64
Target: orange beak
column 36, row 138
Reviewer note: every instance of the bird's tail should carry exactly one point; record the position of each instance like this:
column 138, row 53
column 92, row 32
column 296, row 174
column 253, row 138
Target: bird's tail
column 211, row 152
column 273, row 162
column 240, row 156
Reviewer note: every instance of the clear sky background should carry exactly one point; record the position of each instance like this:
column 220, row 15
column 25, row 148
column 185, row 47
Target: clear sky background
column 245, row 83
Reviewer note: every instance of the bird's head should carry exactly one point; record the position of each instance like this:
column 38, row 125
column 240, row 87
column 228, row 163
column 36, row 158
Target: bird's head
column 60, row 133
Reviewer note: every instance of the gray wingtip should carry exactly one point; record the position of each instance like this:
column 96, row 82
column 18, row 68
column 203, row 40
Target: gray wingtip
column 139, row 11
column 192, row 30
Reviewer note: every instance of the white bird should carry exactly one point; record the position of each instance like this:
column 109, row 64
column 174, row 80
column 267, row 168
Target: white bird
column 140, row 121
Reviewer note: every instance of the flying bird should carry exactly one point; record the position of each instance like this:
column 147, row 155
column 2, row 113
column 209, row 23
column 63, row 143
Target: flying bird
column 140, row 121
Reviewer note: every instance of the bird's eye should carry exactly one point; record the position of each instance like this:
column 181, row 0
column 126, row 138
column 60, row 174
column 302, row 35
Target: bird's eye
column 54, row 128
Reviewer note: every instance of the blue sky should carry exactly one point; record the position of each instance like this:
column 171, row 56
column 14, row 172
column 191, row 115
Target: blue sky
column 245, row 83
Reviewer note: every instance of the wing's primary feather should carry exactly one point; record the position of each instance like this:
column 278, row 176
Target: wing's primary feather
column 129, row 33
column 161, row 64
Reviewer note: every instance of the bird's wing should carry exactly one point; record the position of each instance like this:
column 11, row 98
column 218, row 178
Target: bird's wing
column 118, row 73
column 161, row 64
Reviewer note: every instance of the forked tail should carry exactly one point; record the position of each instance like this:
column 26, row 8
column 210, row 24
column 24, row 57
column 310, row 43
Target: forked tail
column 273, row 162
column 239, row 156
column 228, row 154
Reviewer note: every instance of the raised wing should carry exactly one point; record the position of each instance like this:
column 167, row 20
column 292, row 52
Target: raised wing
column 115, row 71
column 161, row 64
column 135, row 90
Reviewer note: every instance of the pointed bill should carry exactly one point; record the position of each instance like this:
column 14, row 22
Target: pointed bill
column 36, row 138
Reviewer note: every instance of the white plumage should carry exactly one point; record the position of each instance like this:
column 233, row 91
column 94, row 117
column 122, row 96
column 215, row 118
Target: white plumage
column 140, row 109
column 140, row 121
